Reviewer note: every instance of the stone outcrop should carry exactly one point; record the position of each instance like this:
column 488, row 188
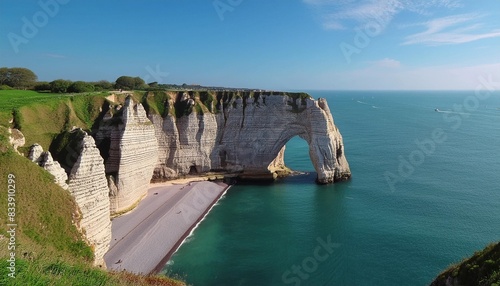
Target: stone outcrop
column 246, row 135
column 89, row 187
column 45, row 160
column 35, row 153
column 16, row 138
column 277, row 166
column 132, row 154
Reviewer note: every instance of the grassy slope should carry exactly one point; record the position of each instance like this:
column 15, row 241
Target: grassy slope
column 483, row 268
column 12, row 99
column 50, row 250
column 42, row 116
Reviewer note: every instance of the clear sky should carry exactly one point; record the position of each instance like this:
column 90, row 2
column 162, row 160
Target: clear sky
column 270, row 44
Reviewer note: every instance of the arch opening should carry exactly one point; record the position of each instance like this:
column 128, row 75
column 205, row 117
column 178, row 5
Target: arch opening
column 297, row 156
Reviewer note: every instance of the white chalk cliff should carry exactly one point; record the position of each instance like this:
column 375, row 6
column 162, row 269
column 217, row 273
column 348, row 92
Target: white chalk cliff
column 132, row 154
column 89, row 187
column 246, row 135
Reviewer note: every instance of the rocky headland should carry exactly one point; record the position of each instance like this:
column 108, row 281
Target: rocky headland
column 245, row 134
column 163, row 136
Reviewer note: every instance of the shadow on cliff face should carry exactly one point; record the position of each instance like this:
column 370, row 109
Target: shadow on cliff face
column 66, row 148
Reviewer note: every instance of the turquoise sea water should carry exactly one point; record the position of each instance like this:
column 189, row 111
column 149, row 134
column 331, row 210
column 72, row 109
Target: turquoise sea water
column 370, row 230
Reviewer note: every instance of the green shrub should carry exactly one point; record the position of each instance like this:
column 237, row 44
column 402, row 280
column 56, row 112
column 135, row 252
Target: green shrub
column 42, row 86
column 80, row 86
column 59, row 86
column 5, row 87
column 18, row 119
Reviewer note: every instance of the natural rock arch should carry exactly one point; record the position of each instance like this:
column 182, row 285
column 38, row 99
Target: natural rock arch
column 244, row 132
column 255, row 134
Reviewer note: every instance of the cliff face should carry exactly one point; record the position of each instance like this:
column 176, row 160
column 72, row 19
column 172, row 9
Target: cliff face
column 185, row 144
column 246, row 135
column 89, row 187
column 132, row 154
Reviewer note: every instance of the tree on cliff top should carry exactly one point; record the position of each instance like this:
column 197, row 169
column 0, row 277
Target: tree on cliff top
column 80, row 86
column 130, row 83
column 59, row 86
column 17, row 77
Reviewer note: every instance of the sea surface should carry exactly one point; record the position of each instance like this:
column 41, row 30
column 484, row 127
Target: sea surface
column 424, row 193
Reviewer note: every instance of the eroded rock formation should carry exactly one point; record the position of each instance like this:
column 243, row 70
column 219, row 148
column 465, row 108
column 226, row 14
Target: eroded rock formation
column 45, row 160
column 89, row 187
column 132, row 154
column 16, row 138
column 247, row 134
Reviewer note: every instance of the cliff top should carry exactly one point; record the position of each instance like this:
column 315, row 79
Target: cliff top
column 483, row 268
column 180, row 103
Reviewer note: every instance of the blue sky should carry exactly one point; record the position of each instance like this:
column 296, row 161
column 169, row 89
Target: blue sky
column 273, row 44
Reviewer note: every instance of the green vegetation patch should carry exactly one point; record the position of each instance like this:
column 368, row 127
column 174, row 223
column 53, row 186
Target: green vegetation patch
column 294, row 98
column 483, row 268
column 182, row 107
column 65, row 148
column 209, row 100
column 14, row 99
column 88, row 107
column 40, row 123
column 302, row 95
column 158, row 102
column 42, row 117
column 43, row 271
column 4, row 140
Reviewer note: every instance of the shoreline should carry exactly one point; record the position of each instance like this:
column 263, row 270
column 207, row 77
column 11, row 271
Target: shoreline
column 188, row 233
column 144, row 239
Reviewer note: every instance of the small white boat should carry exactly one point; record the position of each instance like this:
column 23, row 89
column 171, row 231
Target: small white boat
column 437, row 110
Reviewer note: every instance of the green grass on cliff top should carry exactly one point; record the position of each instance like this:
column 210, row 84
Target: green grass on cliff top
column 14, row 99
column 482, row 268
column 42, row 116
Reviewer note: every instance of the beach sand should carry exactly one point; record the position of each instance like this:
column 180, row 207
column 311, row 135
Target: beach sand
column 143, row 240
